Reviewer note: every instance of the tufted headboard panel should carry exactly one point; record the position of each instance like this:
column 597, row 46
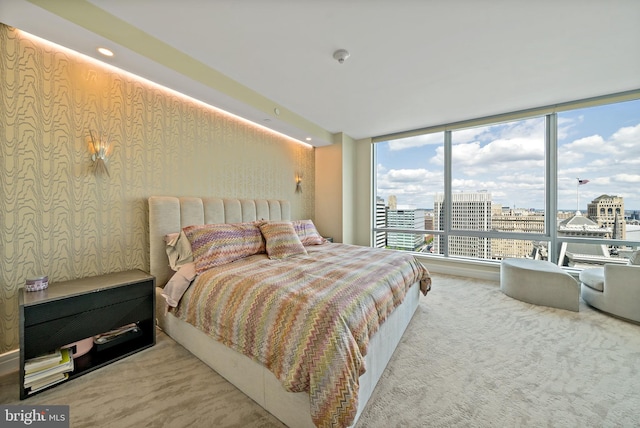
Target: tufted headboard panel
column 169, row 214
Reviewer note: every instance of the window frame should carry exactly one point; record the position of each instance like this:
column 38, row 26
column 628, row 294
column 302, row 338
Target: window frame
column 550, row 234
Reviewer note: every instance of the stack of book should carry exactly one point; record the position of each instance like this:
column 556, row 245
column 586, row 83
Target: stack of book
column 46, row 370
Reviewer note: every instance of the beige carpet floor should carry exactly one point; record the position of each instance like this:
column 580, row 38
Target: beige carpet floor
column 471, row 357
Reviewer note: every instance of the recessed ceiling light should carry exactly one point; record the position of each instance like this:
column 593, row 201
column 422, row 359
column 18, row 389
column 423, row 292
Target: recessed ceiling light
column 308, row 138
column 105, row 51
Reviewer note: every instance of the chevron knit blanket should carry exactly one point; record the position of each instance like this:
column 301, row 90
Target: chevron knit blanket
column 307, row 318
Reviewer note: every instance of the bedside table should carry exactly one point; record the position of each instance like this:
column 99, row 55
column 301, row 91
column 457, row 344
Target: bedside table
column 70, row 311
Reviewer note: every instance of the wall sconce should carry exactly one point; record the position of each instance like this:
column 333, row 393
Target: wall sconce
column 299, row 182
column 100, row 151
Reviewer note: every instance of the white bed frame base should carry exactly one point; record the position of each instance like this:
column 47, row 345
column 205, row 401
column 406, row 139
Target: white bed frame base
column 263, row 387
column 253, row 379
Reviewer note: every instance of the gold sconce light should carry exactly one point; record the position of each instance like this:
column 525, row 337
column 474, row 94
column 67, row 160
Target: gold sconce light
column 100, row 148
column 299, row 182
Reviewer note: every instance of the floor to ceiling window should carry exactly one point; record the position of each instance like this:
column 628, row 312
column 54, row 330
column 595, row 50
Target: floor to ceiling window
column 599, row 181
column 559, row 184
column 497, row 185
column 410, row 173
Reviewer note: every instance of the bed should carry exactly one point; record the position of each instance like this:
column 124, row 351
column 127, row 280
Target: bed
column 321, row 393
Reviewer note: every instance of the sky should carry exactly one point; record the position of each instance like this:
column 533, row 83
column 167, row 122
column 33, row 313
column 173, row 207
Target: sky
column 599, row 144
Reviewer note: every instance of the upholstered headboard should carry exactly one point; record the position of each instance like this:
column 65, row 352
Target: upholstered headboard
column 168, row 214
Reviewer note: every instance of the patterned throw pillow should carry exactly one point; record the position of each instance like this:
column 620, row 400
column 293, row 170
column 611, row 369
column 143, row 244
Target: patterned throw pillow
column 281, row 240
column 634, row 258
column 307, row 232
column 217, row 244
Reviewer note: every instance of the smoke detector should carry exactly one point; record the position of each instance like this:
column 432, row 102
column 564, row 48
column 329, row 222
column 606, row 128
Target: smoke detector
column 340, row 55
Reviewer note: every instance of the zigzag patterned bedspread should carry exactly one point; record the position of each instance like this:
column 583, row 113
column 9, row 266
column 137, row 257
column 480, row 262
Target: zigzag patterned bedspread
column 307, row 318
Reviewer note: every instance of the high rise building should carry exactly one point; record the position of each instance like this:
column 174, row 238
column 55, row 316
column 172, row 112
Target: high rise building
column 381, row 221
column 405, row 219
column 470, row 211
column 514, row 220
column 428, row 221
column 608, row 211
column 393, row 202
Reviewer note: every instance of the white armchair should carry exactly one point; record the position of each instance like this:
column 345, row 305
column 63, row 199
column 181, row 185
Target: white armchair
column 614, row 289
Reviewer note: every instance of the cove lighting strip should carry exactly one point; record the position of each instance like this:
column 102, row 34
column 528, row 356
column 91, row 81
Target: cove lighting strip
column 170, row 91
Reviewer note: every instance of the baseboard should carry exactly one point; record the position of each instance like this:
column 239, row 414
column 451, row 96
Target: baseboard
column 9, row 362
column 479, row 269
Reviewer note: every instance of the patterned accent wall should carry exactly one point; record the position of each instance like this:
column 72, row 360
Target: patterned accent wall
column 58, row 218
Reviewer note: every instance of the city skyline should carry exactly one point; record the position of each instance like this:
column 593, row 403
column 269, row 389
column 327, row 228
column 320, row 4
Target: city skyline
column 600, row 145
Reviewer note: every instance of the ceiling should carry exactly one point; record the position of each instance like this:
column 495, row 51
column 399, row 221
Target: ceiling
column 413, row 63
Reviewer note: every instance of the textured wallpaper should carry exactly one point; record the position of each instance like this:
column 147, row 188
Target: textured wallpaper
column 58, row 218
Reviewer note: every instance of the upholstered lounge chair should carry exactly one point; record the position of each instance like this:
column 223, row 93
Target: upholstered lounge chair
column 539, row 282
column 614, row 289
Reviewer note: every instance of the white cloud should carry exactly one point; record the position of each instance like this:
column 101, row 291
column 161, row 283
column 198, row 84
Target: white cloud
column 501, row 156
column 417, row 141
column 467, row 135
column 566, row 126
column 593, row 144
column 627, row 178
column 531, row 129
column 604, row 155
column 508, row 161
column 407, row 175
column 599, row 164
column 629, row 135
column 625, row 143
column 414, row 187
column 505, row 160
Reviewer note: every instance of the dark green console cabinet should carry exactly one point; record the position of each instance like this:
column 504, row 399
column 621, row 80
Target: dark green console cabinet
column 70, row 311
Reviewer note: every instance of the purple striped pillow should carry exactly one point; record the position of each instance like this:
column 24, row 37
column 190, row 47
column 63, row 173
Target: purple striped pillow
column 281, row 240
column 307, row 232
column 217, row 244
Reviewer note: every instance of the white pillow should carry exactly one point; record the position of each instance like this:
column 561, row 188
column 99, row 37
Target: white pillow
column 178, row 284
column 634, row 258
column 178, row 250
